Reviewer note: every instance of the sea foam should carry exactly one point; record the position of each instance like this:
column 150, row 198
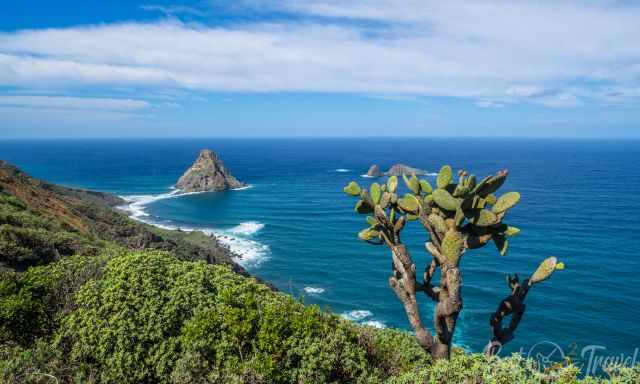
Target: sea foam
column 250, row 253
column 357, row 314
column 247, row 228
column 374, row 323
column 313, row 290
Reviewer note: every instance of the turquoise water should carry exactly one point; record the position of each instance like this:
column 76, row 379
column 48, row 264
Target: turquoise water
column 297, row 229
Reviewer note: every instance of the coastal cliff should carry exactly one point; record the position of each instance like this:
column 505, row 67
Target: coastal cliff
column 207, row 174
column 42, row 222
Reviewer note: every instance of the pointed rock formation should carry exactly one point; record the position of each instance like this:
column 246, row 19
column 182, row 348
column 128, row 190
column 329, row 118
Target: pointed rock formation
column 374, row 171
column 208, row 173
column 402, row 169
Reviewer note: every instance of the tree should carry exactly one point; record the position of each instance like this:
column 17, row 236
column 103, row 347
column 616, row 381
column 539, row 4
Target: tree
column 456, row 217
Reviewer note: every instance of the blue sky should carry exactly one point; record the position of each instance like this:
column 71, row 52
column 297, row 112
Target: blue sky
column 250, row 68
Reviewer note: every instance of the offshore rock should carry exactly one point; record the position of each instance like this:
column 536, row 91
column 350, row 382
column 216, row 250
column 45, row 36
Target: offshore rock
column 208, row 173
column 374, row 171
column 402, row 169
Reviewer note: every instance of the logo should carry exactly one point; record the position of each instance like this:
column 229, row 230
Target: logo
column 546, row 354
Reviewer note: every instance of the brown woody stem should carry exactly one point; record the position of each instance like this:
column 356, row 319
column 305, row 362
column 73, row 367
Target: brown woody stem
column 512, row 305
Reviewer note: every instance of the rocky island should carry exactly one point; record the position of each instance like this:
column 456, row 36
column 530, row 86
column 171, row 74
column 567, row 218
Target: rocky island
column 395, row 170
column 374, row 171
column 207, row 174
column 402, row 169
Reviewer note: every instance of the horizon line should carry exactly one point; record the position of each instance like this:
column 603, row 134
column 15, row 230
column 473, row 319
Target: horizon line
column 54, row 138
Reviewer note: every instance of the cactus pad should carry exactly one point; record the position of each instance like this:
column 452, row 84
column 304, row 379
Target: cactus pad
column 392, row 184
column 459, row 217
column 501, row 243
column 490, row 184
column 352, row 189
column 412, row 183
column 376, row 193
column 484, row 218
column 409, row 203
column 451, row 247
column 544, row 271
column 399, row 225
column 425, row 186
column 511, row 231
column 445, row 200
column 363, row 207
column 505, row 202
column 444, row 177
column 437, row 222
column 368, row 234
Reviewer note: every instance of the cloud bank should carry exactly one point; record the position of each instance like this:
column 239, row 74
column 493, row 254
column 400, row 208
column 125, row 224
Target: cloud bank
column 556, row 54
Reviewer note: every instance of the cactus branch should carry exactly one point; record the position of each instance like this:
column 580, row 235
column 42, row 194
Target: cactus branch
column 403, row 283
column 512, row 305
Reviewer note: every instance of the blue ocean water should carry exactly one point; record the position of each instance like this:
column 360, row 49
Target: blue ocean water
column 296, row 229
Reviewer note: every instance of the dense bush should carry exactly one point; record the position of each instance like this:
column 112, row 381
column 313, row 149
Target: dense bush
column 478, row 368
column 32, row 303
column 136, row 317
column 28, row 237
column 154, row 318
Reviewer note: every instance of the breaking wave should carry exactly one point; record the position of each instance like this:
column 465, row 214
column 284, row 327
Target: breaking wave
column 313, row 290
column 357, row 314
column 251, row 253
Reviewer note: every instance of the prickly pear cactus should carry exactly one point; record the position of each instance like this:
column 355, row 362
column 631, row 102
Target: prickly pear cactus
column 457, row 215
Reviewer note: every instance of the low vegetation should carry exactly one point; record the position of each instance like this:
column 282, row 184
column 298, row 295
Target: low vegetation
column 134, row 317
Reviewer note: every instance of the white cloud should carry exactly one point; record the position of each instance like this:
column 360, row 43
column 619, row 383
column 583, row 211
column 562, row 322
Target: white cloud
column 524, row 90
column 73, row 103
column 559, row 100
column 553, row 53
column 489, row 104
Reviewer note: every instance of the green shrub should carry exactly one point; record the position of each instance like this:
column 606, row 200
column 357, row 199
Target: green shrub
column 146, row 317
column 153, row 318
column 478, row 368
column 31, row 303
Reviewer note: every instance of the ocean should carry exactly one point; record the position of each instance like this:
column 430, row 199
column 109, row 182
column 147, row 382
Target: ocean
column 295, row 228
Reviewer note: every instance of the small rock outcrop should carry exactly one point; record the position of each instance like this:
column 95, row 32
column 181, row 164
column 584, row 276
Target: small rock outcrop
column 208, row 173
column 402, row 169
column 374, row 171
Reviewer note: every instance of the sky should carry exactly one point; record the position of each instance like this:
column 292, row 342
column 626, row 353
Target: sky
column 363, row 68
